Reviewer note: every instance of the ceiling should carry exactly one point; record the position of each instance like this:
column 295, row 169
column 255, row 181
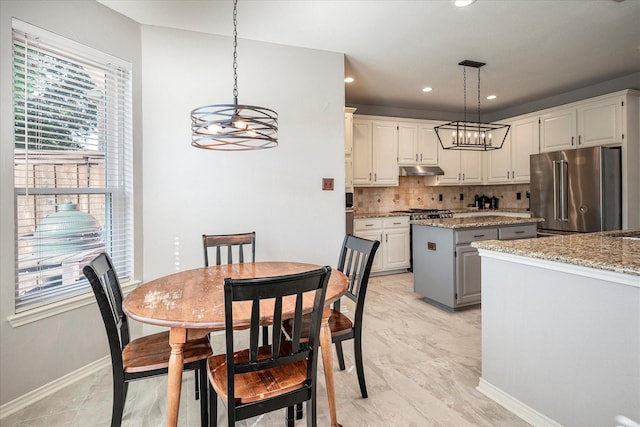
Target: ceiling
column 533, row 48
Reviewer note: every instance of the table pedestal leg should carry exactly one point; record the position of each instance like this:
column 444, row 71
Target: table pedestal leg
column 177, row 338
column 327, row 360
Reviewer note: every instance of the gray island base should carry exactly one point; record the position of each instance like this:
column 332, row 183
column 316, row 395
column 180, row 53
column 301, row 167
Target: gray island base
column 561, row 328
column 446, row 268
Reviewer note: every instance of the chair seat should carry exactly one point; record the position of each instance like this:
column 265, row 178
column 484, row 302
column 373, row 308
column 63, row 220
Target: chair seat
column 153, row 351
column 338, row 323
column 259, row 385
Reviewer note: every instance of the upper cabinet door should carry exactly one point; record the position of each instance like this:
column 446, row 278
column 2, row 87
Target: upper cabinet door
column 471, row 167
column 525, row 141
column 499, row 163
column 558, row 130
column 407, row 143
column 385, row 153
column 427, row 146
column 449, row 162
column 362, row 152
column 600, row 122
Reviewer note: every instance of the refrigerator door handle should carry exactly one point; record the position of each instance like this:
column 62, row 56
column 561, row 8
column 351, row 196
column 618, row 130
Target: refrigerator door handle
column 555, row 190
column 564, row 190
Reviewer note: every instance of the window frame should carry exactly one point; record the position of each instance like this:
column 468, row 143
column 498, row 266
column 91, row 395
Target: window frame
column 118, row 192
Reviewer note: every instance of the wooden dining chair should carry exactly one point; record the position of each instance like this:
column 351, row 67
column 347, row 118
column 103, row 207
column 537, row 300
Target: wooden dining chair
column 143, row 357
column 355, row 260
column 261, row 379
column 229, row 243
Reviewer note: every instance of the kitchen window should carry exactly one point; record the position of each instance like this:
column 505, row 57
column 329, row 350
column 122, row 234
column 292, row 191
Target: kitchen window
column 72, row 165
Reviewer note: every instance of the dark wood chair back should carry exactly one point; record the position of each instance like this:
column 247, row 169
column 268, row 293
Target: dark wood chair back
column 356, row 258
column 106, row 288
column 285, row 291
column 226, row 243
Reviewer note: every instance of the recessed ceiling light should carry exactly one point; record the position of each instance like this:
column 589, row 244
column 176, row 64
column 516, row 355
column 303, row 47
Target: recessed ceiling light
column 427, row 89
column 349, row 79
column 463, row 3
column 491, row 97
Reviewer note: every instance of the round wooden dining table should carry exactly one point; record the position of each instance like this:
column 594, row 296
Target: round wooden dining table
column 191, row 304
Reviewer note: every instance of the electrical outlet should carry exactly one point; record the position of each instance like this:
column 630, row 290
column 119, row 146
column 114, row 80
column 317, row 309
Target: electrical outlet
column 439, row 197
column 327, row 184
column 518, row 196
column 461, row 196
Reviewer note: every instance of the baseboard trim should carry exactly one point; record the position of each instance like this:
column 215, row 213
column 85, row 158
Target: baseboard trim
column 515, row 406
column 52, row 387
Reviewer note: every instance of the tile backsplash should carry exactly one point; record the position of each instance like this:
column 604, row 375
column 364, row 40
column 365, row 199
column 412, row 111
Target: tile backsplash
column 412, row 193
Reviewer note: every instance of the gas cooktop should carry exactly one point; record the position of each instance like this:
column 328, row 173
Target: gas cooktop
column 421, row 213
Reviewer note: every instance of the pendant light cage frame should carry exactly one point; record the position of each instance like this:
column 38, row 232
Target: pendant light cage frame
column 468, row 135
column 234, row 127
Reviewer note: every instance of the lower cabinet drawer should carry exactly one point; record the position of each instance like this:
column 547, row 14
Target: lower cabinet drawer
column 473, row 235
column 517, row 232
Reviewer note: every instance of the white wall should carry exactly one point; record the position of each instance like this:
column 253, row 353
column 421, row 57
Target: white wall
column 275, row 192
column 39, row 353
column 185, row 191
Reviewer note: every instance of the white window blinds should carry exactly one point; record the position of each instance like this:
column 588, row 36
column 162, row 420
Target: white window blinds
column 72, row 164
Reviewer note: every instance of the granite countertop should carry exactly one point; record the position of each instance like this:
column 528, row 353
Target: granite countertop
column 472, row 222
column 482, row 212
column 608, row 250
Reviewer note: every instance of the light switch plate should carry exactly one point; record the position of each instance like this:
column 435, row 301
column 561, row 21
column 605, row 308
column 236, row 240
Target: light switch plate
column 327, row 184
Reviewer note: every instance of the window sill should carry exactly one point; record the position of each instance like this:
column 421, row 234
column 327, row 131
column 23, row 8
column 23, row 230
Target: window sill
column 63, row 306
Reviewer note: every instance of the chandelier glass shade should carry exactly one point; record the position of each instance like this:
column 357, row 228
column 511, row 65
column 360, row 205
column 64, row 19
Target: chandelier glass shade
column 468, row 135
column 234, row 127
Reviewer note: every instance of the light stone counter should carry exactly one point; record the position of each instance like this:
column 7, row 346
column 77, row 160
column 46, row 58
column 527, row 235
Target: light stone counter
column 474, row 222
column 603, row 251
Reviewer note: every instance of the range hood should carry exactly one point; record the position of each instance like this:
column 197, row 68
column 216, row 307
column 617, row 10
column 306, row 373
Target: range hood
column 420, row 171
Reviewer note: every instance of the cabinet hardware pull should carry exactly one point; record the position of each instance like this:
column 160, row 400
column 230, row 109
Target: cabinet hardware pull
column 519, row 232
column 375, row 176
column 513, row 174
column 463, row 176
column 420, row 156
column 478, row 235
column 572, row 140
column 416, row 157
column 397, row 223
column 368, row 225
column 579, row 139
column 507, row 174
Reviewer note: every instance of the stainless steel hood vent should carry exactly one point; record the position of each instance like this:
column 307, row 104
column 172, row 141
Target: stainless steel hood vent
column 420, row 171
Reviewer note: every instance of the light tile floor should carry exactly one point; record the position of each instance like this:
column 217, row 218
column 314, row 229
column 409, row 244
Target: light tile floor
column 422, row 365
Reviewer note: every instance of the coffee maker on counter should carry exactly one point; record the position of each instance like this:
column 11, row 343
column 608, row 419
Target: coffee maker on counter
column 485, row 202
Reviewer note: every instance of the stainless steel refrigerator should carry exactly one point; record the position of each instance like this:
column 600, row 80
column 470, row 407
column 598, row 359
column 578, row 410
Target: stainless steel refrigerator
column 577, row 190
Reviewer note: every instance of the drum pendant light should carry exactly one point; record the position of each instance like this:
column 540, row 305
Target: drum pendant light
column 472, row 136
column 234, row 127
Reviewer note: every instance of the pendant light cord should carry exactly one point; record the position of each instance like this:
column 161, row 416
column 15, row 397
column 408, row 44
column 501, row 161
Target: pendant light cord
column 235, row 51
column 479, row 96
column 464, row 73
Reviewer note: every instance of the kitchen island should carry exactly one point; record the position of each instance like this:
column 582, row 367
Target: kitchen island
column 561, row 327
column 446, row 268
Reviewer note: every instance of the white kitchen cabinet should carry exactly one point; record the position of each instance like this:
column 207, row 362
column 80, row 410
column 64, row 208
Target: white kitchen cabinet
column 407, row 143
column 558, row 130
column 375, row 153
column 600, row 122
column 393, row 234
column 459, row 166
column 348, row 149
column 595, row 122
column 417, row 145
column 510, row 164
